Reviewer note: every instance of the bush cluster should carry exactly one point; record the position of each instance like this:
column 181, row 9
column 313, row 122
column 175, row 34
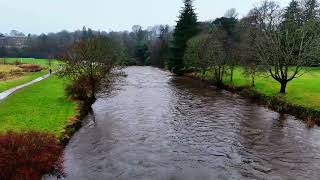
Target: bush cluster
column 30, row 67
column 28, row 155
column 80, row 89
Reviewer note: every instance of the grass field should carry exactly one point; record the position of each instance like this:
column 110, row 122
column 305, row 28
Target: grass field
column 27, row 76
column 41, row 107
column 43, row 62
column 5, row 85
column 303, row 91
column 8, row 68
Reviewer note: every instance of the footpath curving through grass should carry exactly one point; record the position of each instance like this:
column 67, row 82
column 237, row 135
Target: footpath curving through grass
column 304, row 91
column 41, row 107
column 27, row 76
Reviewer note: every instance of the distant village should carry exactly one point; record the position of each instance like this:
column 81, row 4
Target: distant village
column 13, row 40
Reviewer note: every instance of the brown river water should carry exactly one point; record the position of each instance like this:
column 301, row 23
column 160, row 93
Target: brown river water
column 158, row 126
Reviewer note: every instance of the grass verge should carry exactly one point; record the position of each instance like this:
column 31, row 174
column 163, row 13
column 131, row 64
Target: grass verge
column 304, row 91
column 40, row 107
column 43, row 62
column 301, row 100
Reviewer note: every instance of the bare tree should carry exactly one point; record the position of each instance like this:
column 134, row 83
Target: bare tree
column 248, row 36
column 215, row 54
column 231, row 13
column 283, row 51
column 88, row 61
column 284, row 62
column 195, row 55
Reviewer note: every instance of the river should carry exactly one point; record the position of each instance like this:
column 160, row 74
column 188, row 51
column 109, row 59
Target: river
column 158, row 126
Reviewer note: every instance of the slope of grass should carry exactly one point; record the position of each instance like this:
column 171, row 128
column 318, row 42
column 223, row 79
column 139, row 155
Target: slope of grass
column 41, row 107
column 303, row 91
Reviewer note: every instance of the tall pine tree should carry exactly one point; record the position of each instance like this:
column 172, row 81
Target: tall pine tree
column 311, row 10
column 293, row 17
column 187, row 27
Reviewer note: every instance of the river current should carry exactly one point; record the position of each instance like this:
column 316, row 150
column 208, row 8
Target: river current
column 154, row 125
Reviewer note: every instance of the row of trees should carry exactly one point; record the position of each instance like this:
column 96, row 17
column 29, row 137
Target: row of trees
column 140, row 46
column 145, row 46
column 278, row 42
column 48, row 45
column 271, row 40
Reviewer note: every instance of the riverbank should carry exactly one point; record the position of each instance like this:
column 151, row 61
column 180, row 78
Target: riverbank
column 154, row 125
column 301, row 100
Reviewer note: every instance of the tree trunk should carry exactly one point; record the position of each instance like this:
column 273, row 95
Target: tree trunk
column 219, row 84
column 253, row 81
column 203, row 74
column 93, row 86
column 231, row 74
column 283, row 87
column 93, row 89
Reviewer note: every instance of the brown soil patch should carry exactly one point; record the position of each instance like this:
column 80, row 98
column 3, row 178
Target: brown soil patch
column 30, row 67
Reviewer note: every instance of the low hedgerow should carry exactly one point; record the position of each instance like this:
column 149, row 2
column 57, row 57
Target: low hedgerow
column 28, row 155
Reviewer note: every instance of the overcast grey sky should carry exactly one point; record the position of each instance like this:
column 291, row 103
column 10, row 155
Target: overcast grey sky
column 37, row 16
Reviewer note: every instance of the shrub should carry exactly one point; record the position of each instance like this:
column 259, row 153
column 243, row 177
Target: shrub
column 28, row 155
column 30, row 67
column 2, row 75
column 80, row 89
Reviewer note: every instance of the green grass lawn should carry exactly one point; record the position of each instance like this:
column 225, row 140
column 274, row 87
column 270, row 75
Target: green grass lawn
column 5, row 85
column 303, row 91
column 42, row 107
column 29, row 76
column 43, row 62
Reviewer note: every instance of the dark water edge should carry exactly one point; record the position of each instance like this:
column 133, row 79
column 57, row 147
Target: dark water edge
column 276, row 103
column 158, row 126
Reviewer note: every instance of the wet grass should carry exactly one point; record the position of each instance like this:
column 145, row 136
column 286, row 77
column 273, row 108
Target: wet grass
column 304, row 91
column 10, row 83
column 40, row 107
column 27, row 76
column 43, row 62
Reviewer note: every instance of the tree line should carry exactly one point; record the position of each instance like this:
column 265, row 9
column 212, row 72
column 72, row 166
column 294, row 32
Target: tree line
column 280, row 43
column 139, row 46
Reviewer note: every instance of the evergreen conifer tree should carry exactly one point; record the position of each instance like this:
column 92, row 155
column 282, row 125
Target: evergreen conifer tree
column 187, row 27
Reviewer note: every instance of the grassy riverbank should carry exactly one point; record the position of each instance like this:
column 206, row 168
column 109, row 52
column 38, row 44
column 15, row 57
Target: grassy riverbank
column 41, row 107
column 304, row 91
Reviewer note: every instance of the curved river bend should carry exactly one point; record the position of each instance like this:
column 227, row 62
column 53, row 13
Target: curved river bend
column 157, row 126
